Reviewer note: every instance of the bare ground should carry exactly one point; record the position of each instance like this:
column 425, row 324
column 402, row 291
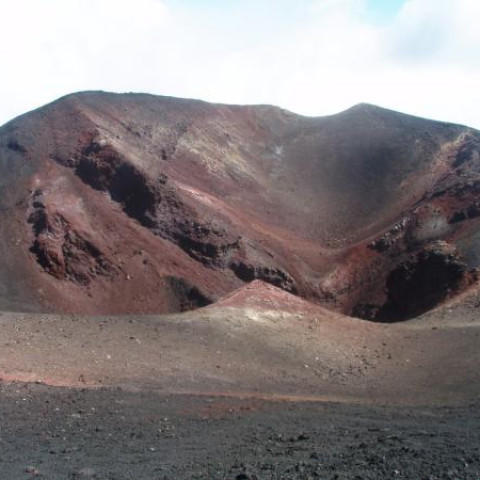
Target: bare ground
column 70, row 433
column 241, row 390
column 253, row 349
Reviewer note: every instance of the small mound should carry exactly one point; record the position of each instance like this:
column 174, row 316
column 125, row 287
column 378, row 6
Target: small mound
column 261, row 295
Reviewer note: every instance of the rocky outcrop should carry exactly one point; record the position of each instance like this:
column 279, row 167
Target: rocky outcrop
column 155, row 205
column 275, row 276
column 389, row 238
column 62, row 251
column 426, row 279
column 185, row 296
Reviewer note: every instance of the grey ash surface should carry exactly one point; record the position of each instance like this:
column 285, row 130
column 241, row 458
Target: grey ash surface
column 61, row 433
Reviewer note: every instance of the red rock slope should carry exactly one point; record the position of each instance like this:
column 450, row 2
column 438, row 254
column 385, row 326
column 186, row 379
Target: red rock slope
column 135, row 203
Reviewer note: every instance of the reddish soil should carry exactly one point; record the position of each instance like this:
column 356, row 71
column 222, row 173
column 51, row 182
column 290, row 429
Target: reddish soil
column 264, row 343
column 126, row 204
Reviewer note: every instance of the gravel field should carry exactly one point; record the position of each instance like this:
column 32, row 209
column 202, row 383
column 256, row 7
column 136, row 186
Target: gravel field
column 69, row 433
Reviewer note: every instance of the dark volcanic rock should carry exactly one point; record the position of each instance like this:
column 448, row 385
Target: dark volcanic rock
column 345, row 441
column 61, row 250
column 275, row 276
column 418, row 285
column 188, row 296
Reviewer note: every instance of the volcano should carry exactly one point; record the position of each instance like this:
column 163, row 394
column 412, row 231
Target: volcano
column 134, row 203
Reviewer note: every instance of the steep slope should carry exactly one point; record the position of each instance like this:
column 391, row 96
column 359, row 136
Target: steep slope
column 135, row 203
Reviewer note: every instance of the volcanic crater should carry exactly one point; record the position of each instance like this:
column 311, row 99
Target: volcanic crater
column 134, row 203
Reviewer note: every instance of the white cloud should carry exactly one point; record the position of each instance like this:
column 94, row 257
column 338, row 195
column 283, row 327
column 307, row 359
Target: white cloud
column 53, row 47
column 314, row 57
column 441, row 32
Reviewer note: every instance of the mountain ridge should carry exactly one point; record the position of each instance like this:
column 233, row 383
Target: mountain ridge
column 136, row 203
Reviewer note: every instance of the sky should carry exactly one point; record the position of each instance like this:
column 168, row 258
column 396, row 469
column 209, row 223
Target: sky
column 313, row 57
